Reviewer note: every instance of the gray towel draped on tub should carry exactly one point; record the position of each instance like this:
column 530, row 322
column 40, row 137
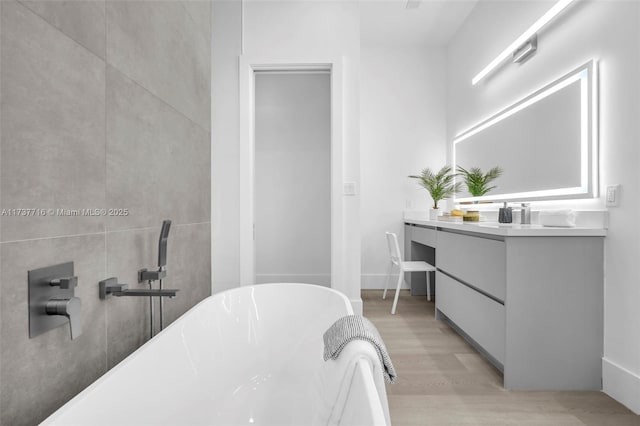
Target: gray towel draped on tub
column 352, row 327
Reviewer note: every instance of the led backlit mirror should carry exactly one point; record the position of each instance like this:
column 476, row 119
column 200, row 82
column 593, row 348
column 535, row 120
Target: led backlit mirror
column 545, row 143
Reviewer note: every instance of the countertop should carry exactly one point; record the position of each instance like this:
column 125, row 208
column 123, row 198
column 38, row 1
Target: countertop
column 506, row 229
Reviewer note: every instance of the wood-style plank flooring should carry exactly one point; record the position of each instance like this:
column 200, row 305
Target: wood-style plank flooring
column 444, row 381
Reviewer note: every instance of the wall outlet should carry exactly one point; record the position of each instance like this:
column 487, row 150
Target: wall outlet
column 613, row 196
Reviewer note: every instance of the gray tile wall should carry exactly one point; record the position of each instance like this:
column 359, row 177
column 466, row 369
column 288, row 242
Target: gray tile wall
column 102, row 105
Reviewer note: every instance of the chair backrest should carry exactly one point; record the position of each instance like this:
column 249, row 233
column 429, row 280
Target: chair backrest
column 394, row 248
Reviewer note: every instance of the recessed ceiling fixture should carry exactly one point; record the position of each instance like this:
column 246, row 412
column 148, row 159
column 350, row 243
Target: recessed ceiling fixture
column 413, row 4
column 520, row 41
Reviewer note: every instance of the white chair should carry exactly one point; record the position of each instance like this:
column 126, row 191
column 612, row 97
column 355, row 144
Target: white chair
column 404, row 266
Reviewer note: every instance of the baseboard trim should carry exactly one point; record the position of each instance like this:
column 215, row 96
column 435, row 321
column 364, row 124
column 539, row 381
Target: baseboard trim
column 377, row 281
column 621, row 385
column 319, row 279
column 356, row 304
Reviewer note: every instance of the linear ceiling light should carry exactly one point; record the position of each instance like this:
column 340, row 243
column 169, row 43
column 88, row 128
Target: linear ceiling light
column 530, row 32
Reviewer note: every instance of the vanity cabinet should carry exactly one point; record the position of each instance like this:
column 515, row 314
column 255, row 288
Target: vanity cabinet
column 480, row 317
column 532, row 304
column 477, row 261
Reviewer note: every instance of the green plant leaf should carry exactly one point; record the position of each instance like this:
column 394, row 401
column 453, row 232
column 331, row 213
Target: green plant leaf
column 477, row 182
column 439, row 185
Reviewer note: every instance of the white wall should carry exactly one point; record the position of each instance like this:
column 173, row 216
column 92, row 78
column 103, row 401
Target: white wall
column 293, row 177
column 284, row 29
column 225, row 122
column 607, row 31
column 403, row 130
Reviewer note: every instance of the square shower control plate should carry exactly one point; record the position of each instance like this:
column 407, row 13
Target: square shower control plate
column 40, row 292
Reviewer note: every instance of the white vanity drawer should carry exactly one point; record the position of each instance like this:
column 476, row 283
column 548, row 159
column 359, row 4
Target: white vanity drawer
column 480, row 262
column 482, row 318
column 425, row 236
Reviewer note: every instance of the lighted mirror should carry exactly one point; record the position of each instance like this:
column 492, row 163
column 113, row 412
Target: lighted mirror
column 545, row 143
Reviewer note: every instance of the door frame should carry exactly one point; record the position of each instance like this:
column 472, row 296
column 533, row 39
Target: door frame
column 248, row 65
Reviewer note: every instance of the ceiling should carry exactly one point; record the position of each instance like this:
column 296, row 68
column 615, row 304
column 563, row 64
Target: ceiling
column 432, row 23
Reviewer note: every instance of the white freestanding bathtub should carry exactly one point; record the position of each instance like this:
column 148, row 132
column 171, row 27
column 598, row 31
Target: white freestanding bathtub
column 248, row 356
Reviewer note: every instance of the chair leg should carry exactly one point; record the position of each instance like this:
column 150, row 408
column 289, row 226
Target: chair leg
column 395, row 300
column 386, row 281
column 429, row 286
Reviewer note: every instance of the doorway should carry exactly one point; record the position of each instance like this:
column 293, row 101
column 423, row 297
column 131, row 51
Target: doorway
column 292, row 176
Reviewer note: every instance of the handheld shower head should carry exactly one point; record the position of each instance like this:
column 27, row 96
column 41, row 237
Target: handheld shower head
column 162, row 244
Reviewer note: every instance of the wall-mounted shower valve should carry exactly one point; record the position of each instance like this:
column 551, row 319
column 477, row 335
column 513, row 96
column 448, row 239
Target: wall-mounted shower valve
column 70, row 308
column 52, row 301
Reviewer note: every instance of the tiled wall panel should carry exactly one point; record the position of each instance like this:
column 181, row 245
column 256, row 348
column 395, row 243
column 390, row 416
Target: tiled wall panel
column 102, row 105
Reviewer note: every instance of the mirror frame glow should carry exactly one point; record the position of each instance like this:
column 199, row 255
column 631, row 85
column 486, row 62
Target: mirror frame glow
column 587, row 75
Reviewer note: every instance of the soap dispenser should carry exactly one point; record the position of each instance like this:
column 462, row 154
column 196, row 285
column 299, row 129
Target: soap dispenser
column 505, row 215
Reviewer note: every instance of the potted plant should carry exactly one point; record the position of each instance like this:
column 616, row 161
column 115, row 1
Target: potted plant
column 478, row 182
column 440, row 186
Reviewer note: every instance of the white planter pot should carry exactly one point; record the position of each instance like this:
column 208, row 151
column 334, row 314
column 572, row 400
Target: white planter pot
column 433, row 214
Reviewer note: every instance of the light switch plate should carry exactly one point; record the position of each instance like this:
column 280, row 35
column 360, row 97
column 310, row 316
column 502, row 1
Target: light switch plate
column 349, row 188
column 612, row 196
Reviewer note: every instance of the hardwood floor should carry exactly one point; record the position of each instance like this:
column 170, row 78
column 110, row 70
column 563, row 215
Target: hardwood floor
column 443, row 381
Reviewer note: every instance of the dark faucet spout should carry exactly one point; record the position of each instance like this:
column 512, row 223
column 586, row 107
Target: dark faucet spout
column 112, row 287
column 146, row 292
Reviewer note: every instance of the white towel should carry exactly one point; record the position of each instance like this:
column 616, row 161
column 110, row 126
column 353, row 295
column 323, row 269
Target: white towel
column 352, row 327
column 334, row 383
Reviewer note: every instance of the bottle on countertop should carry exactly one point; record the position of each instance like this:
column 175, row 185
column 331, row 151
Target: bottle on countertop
column 505, row 214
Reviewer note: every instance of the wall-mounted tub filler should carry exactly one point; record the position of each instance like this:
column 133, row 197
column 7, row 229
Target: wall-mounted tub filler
column 145, row 274
column 52, row 302
column 151, row 276
column 110, row 286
